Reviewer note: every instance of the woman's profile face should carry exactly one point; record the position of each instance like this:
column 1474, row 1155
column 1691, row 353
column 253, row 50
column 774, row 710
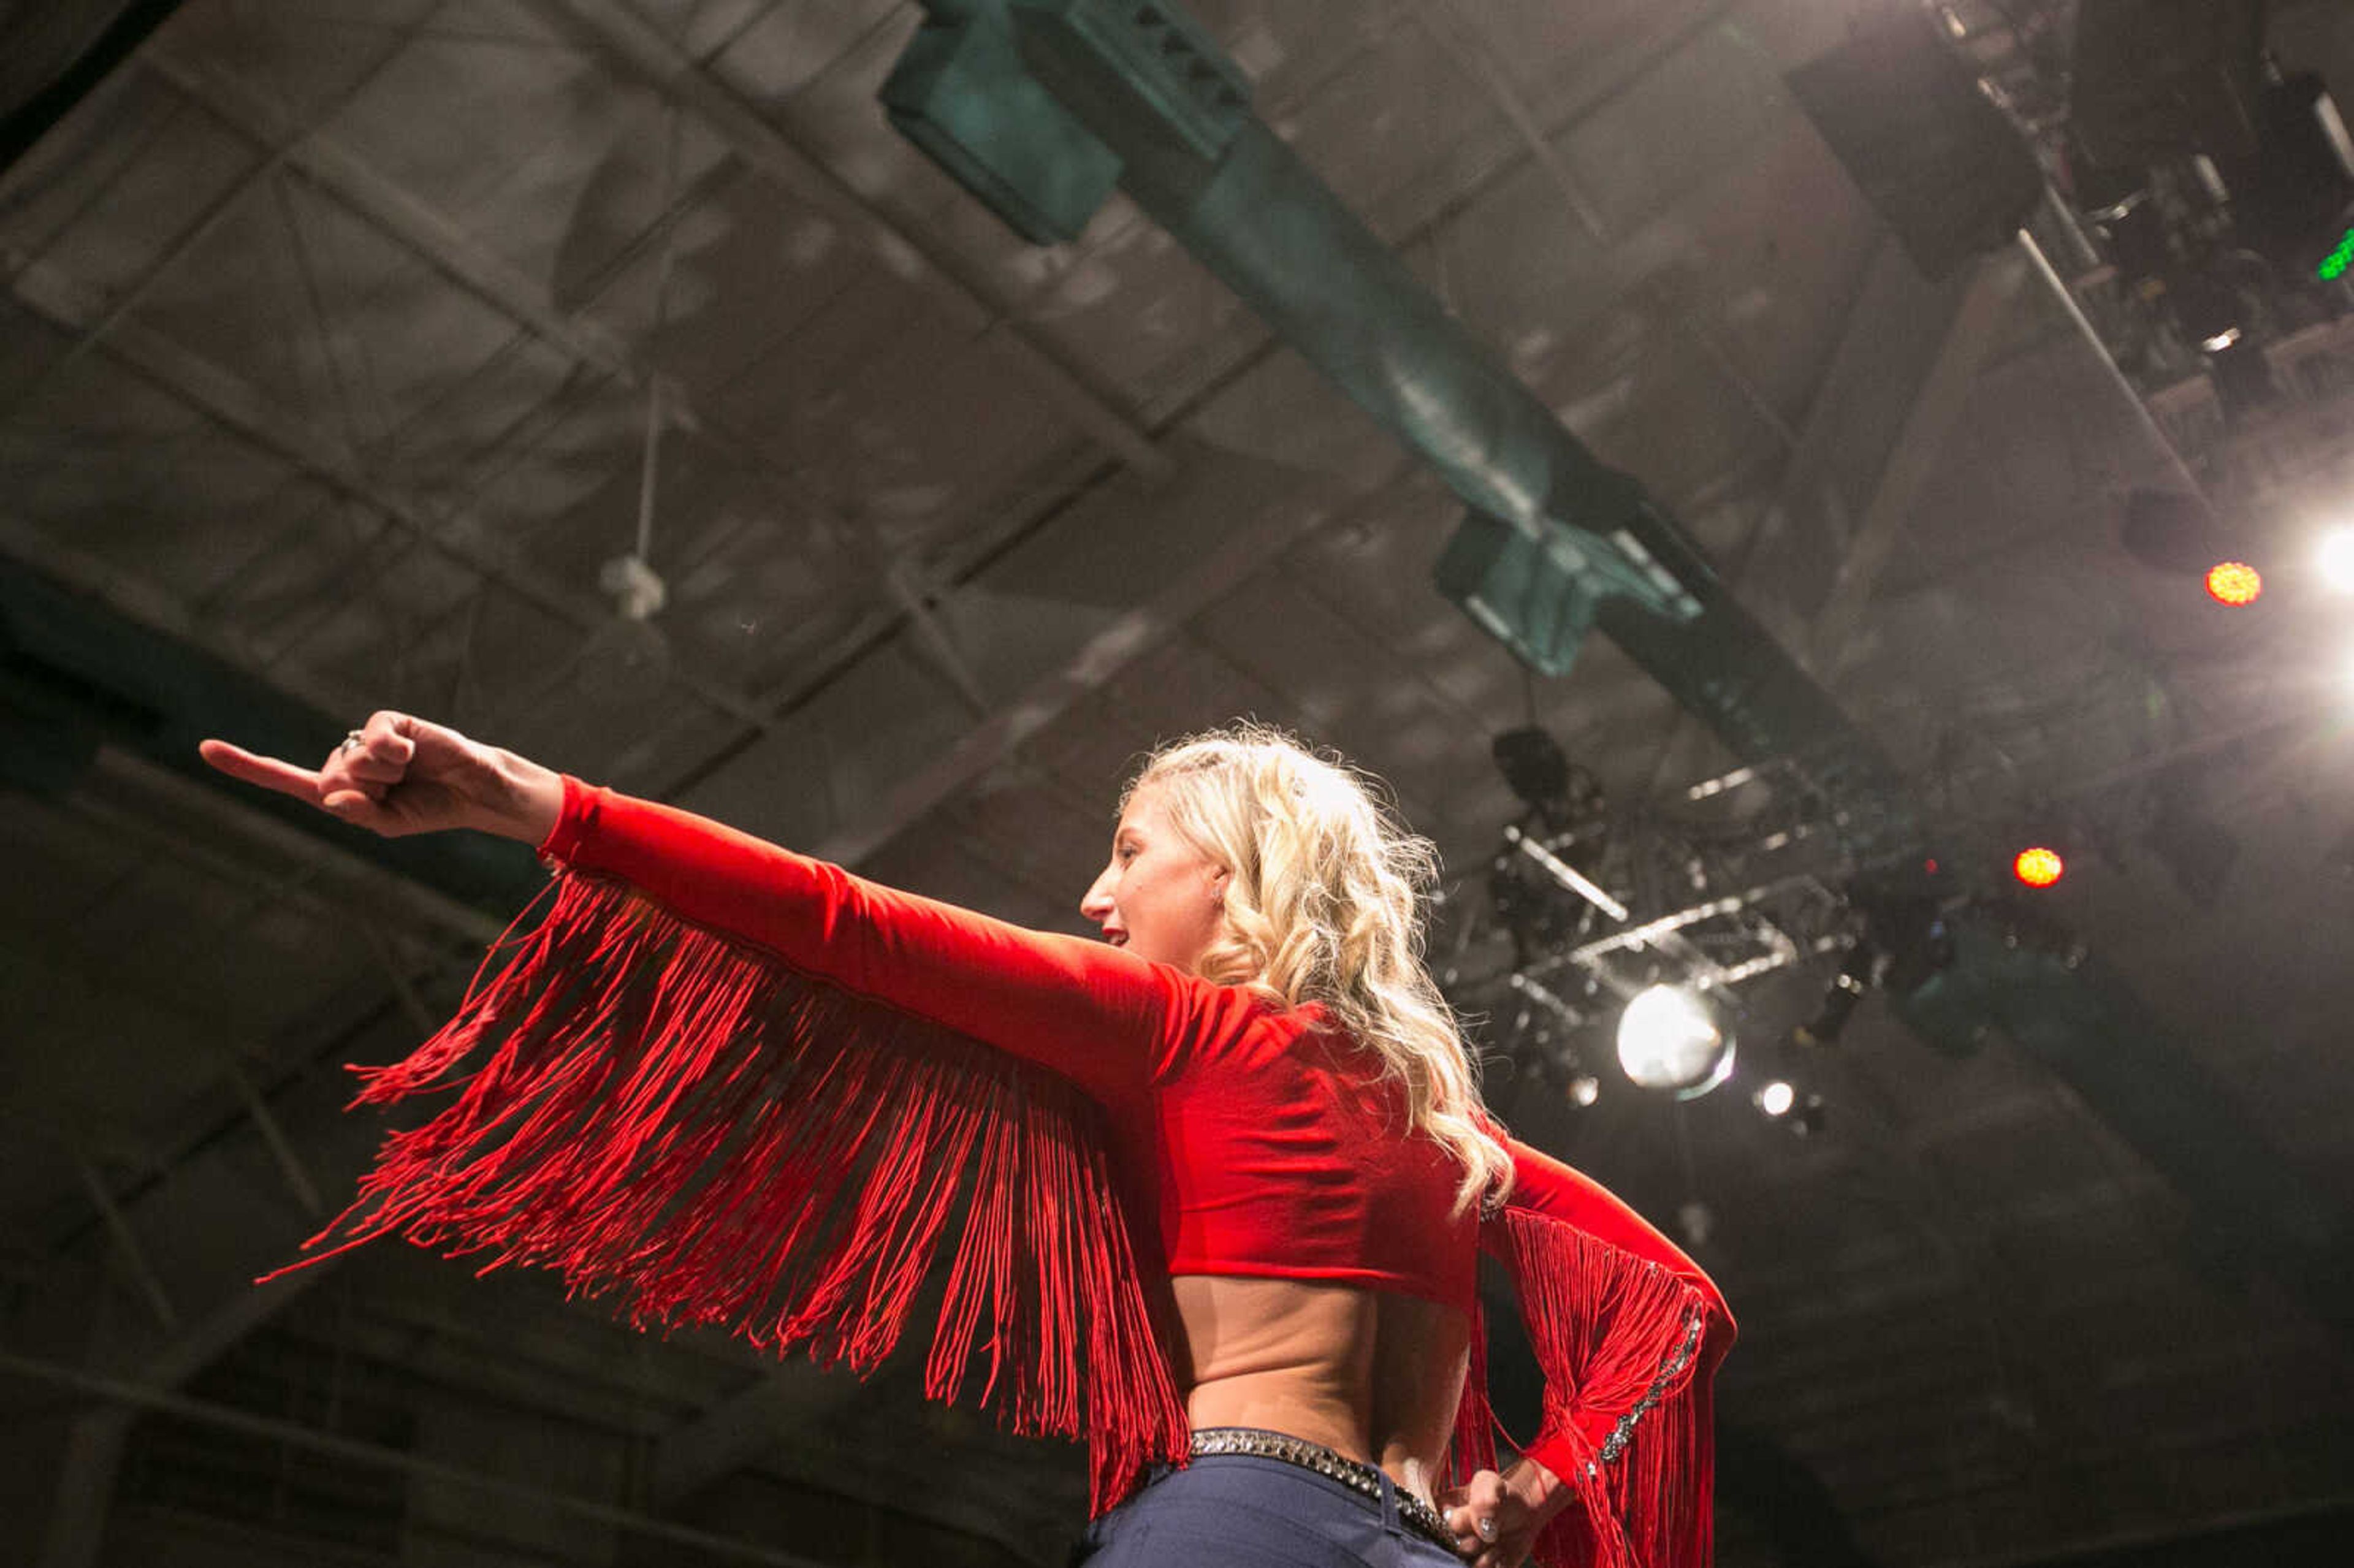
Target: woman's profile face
column 1159, row 898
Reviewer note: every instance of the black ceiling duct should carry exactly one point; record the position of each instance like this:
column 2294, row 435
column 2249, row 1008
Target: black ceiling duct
column 2155, row 80
column 1949, row 172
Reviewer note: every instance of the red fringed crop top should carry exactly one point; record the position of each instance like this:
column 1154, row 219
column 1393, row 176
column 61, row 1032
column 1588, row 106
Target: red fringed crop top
column 737, row 1086
column 1272, row 1151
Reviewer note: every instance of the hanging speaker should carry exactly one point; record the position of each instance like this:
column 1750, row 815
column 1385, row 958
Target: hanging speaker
column 2153, row 79
column 1949, row 173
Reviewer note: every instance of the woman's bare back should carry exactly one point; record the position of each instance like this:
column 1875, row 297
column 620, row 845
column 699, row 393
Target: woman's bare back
column 1373, row 1374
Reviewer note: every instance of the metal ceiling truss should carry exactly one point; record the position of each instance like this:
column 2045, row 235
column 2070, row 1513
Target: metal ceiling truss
column 349, row 179
column 626, row 40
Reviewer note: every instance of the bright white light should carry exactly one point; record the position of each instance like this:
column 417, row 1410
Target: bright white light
column 1776, row 1098
column 2221, row 341
column 1670, row 1039
column 2336, row 559
column 1585, row 1089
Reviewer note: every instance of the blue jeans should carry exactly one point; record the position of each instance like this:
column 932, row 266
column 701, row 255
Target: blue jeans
column 1236, row 1510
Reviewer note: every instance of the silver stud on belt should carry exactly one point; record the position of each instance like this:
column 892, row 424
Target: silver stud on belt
column 1358, row 1478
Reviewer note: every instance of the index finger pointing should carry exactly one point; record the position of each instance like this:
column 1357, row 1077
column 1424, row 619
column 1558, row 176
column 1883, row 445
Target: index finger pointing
column 266, row 772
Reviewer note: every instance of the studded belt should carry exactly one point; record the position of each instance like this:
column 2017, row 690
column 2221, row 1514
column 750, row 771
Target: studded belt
column 1418, row 1515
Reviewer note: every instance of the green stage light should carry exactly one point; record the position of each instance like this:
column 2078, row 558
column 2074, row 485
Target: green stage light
column 2333, row 266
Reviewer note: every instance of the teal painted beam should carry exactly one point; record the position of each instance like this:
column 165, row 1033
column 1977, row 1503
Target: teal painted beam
column 1598, row 550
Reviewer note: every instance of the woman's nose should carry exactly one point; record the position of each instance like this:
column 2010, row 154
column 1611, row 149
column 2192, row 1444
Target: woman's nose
column 1098, row 902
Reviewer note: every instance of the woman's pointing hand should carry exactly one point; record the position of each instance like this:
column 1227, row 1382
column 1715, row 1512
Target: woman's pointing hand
column 400, row 775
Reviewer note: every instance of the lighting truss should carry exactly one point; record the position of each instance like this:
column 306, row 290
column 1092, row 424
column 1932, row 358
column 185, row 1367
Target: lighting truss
column 1731, row 879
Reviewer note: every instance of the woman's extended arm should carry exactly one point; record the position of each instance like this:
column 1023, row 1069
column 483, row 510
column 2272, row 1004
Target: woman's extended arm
column 1085, row 1010
column 711, row 1077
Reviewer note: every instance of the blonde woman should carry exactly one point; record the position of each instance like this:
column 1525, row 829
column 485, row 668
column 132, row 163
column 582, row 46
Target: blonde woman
column 1208, row 1194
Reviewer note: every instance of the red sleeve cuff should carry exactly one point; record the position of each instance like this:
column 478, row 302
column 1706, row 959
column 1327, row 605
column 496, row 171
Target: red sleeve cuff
column 1561, row 1456
column 575, row 823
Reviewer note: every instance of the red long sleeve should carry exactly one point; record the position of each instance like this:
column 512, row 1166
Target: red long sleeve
column 1627, row 1332
column 1544, row 1186
column 1100, row 1017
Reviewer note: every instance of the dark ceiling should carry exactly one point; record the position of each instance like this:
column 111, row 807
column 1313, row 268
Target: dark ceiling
column 331, row 342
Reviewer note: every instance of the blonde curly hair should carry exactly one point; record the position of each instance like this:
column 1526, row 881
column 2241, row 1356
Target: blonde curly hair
column 1324, row 903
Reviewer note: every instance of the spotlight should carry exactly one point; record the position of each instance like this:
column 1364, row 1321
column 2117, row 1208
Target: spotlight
column 1776, row 1098
column 2336, row 559
column 2207, row 311
column 1840, row 998
column 2038, row 866
column 1533, row 764
column 1583, row 1089
column 1668, row 1038
column 2234, row 583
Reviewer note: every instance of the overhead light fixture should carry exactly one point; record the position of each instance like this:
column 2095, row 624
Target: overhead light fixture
column 2221, row 341
column 2234, row 583
column 1776, row 1098
column 2038, row 866
column 1669, row 1038
column 1583, row 1089
column 1856, row 973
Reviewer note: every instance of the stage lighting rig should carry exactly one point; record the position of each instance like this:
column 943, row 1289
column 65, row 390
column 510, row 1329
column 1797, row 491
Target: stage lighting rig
column 1647, row 924
column 1859, row 970
column 1560, row 793
column 1671, row 1037
column 1781, row 1102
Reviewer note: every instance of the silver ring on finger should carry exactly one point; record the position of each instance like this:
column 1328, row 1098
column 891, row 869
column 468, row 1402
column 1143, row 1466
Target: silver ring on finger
column 353, row 740
column 1485, row 1527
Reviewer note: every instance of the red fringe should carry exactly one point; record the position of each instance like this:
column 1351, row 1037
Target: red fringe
column 1613, row 1332
column 717, row 1138
column 1473, row 1448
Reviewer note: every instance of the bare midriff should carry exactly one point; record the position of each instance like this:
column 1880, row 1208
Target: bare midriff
column 1368, row 1374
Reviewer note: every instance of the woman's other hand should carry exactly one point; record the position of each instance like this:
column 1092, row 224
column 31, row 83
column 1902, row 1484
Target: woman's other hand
column 1495, row 1518
column 400, row 775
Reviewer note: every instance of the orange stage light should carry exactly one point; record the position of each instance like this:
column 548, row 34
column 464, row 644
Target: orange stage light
column 2234, row 583
column 2037, row 867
